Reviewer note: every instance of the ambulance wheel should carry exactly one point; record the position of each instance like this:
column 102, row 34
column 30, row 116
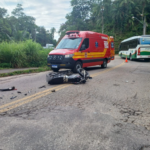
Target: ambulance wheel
column 104, row 65
column 55, row 69
column 77, row 66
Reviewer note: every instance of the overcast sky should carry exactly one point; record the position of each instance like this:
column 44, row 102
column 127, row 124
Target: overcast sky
column 48, row 13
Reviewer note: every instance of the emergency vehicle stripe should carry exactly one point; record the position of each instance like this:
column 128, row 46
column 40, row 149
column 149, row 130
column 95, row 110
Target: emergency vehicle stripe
column 89, row 55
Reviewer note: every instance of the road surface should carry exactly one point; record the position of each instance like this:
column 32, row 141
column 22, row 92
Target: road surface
column 109, row 112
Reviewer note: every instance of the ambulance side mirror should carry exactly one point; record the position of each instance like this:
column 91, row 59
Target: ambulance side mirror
column 82, row 47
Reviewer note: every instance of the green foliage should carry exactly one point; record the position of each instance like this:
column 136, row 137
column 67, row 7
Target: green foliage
column 20, row 27
column 113, row 18
column 22, row 54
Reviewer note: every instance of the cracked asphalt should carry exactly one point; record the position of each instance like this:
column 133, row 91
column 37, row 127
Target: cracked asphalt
column 109, row 112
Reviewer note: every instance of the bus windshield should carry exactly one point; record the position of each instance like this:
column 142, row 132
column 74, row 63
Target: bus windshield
column 71, row 43
column 145, row 40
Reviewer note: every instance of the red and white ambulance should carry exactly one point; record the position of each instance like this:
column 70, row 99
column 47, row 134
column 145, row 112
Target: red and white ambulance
column 80, row 49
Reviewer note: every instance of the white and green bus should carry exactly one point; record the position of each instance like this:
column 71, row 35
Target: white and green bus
column 137, row 47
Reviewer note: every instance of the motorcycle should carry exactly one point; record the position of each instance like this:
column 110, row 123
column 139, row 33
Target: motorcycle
column 68, row 77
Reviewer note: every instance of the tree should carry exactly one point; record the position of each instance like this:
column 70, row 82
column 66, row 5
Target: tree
column 5, row 29
column 53, row 30
column 18, row 12
column 3, row 12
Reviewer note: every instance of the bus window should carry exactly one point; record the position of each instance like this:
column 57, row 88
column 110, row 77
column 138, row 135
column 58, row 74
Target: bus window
column 133, row 44
column 124, row 46
column 145, row 40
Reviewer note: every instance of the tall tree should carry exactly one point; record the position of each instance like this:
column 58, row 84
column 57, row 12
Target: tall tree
column 18, row 11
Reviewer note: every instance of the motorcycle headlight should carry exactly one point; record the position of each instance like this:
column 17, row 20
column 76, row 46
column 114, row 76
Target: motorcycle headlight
column 68, row 56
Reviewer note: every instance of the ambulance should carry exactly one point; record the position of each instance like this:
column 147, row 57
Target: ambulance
column 81, row 49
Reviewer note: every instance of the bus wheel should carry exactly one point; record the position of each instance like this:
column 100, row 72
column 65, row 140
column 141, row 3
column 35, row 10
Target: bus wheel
column 55, row 69
column 131, row 57
column 77, row 66
column 121, row 55
column 104, row 65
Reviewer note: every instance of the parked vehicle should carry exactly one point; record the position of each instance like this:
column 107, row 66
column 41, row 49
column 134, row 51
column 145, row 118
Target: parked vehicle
column 80, row 49
column 49, row 46
column 137, row 47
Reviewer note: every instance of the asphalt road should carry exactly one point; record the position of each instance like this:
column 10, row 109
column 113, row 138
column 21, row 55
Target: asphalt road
column 109, row 112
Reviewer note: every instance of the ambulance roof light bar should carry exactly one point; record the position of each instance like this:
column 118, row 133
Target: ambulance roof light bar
column 73, row 31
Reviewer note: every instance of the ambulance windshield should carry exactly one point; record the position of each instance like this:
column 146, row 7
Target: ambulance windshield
column 69, row 43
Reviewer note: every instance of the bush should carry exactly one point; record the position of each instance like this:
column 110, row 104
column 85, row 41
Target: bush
column 22, row 54
column 5, row 65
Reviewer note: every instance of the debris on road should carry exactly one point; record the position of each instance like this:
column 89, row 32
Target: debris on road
column 19, row 92
column 8, row 89
column 1, row 98
column 67, row 76
column 53, row 91
column 13, row 97
column 42, row 87
column 116, row 84
column 25, row 94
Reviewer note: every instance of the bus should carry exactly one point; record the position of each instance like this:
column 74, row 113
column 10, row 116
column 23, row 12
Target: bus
column 136, row 47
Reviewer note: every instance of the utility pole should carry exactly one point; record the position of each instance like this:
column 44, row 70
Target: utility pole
column 144, row 26
column 102, row 19
column 143, row 23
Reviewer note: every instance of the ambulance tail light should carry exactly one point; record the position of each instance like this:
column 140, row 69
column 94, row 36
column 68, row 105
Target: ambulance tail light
column 139, row 50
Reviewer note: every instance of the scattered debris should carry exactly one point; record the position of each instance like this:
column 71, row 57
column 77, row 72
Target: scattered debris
column 53, row 91
column 135, row 96
column 25, row 94
column 8, row 89
column 42, row 87
column 1, row 98
column 19, row 92
column 13, row 97
column 116, row 84
column 68, row 76
column 127, row 81
column 119, row 124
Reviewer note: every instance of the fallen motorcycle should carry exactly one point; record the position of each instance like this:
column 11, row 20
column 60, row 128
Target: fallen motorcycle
column 68, row 77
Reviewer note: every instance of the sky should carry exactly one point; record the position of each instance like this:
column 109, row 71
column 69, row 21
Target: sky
column 48, row 13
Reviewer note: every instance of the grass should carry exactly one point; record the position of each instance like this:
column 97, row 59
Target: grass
column 22, row 54
column 40, row 69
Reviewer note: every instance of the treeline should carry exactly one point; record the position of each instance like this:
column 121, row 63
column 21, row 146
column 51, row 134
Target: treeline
column 112, row 17
column 20, row 27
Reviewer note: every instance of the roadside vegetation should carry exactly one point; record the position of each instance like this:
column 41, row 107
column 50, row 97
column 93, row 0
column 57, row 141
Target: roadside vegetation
column 22, row 42
column 22, row 54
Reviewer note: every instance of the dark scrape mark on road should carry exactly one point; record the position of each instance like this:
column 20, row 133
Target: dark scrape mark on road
column 116, row 84
column 145, row 147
